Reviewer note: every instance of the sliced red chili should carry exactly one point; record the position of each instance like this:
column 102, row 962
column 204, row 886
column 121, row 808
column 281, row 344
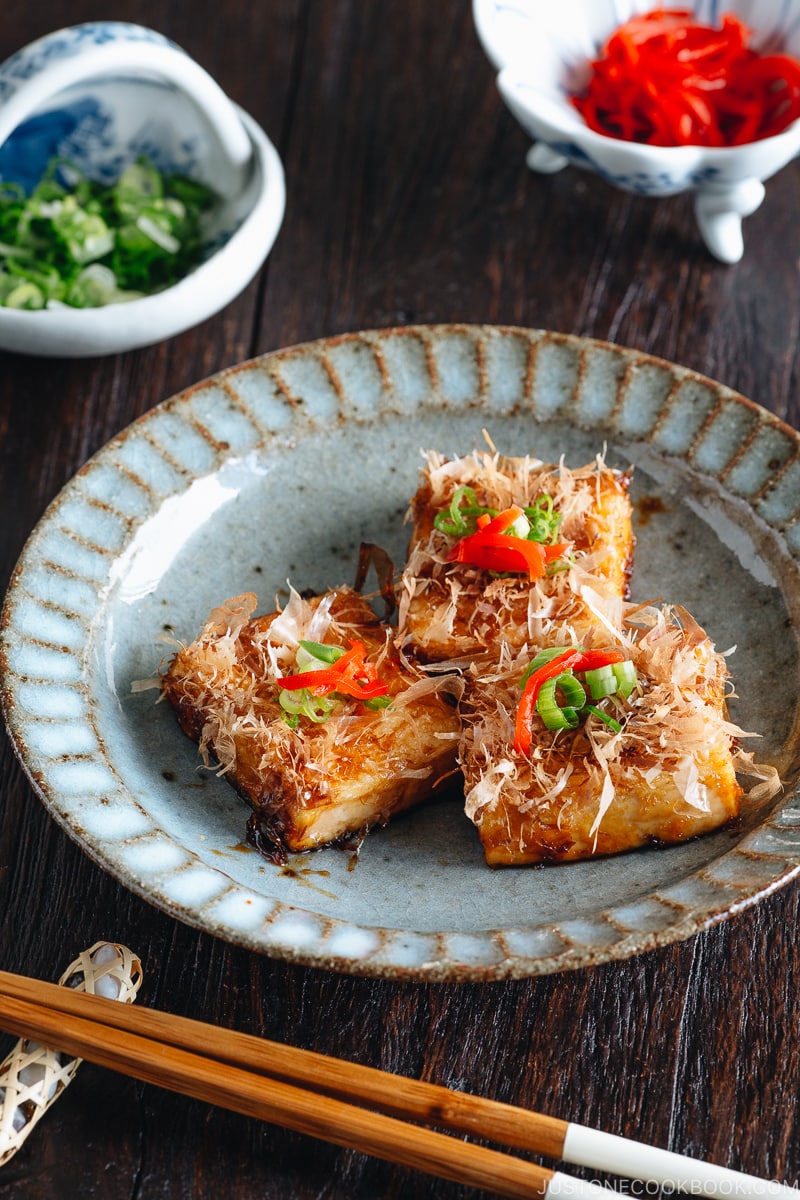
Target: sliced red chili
column 493, row 548
column 570, row 660
column 350, row 675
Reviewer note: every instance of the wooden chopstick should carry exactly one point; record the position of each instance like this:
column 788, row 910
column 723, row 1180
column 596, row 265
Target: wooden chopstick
column 85, row 1026
column 395, row 1095
column 268, row 1080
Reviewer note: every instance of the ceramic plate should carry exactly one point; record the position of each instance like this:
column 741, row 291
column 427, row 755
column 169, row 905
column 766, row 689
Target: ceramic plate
column 276, row 471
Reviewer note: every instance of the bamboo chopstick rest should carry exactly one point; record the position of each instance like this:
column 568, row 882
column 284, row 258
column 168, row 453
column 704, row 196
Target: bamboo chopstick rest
column 33, row 1077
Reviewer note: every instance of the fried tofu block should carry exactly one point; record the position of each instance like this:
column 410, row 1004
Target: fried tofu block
column 318, row 782
column 668, row 774
column 449, row 610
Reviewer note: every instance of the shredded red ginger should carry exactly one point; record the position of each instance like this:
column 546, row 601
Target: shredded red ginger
column 668, row 80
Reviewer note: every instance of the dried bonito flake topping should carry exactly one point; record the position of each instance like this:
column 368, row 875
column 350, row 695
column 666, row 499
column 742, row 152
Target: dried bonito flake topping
column 314, row 716
column 32, row 1077
column 302, row 681
column 501, row 545
column 654, row 759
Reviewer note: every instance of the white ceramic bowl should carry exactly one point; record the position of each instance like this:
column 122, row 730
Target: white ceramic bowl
column 542, row 53
column 101, row 94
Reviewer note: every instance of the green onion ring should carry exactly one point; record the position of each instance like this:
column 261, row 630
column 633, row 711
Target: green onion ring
column 555, row 715
column 303, row 704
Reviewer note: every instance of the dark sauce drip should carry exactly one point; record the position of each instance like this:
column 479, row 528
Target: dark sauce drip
column 288, row 872
column 263, row 834
column 648, row 507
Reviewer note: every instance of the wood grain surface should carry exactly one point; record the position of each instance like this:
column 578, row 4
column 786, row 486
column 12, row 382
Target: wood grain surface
column 408, row 200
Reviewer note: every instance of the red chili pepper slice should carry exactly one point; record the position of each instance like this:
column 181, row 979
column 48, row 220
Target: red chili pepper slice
column 492, row 548
column 350, row 675
column 669, row 80
column 570, row 660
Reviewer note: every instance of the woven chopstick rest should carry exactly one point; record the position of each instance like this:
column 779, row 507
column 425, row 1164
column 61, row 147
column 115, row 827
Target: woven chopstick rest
column 33, row 1077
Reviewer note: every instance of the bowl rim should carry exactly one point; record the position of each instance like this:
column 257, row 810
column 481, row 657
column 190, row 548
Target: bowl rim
column 120, row 53
column 510, row 76
column 155, row 318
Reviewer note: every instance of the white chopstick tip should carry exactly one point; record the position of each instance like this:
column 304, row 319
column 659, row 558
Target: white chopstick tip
column 669, row 1172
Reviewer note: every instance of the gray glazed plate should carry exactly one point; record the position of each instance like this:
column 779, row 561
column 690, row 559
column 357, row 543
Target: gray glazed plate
column 276, row 470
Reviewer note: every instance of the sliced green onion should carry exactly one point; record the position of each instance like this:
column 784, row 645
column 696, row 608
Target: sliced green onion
column 519, row 528
column 561, row 702
column 307, row 662
column 461, row 517
column 193, row 196
column 302, row 704
column 544, row 520
column 539, row 522
column 145, row 229
column 7, row 251
column 451, row 521
column 25, row 295
column 612, row 722
column 554, row 714
column 571, row 689
column 601, row 682
column 318, row 652
column 138, row 185
column 85, row 235
column 95, row 287
column 158, row 231
column 626, row 676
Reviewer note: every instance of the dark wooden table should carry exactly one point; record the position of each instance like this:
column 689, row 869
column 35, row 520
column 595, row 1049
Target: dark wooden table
column 408, row 201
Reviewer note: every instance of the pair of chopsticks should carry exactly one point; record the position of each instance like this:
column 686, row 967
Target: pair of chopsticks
column 350, row 1105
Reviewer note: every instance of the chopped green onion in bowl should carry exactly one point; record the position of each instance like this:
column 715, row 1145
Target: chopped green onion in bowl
column 77, row 242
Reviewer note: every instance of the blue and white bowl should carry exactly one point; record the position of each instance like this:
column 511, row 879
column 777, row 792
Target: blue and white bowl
column 102, row 94
column 542, row 53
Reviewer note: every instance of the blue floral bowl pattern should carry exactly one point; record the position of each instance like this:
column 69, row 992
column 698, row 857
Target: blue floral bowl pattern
column 543, row 52
column 65, row 43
